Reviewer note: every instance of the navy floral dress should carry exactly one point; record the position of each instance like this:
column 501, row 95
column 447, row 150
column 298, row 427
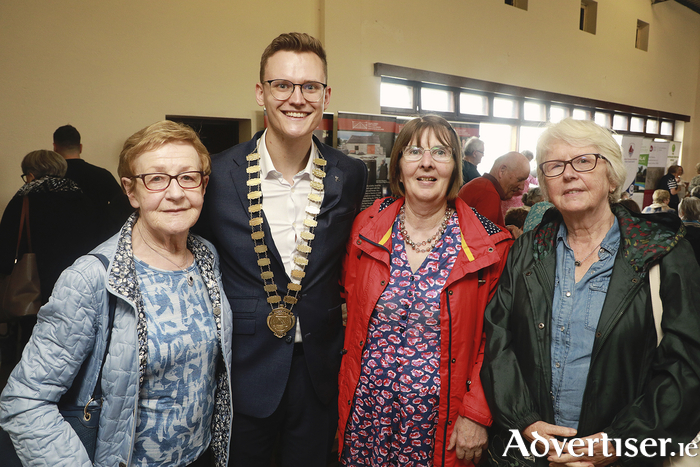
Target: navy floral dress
column 395, row 409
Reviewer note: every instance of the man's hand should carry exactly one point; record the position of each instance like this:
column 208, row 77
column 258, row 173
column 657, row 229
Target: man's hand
column 599, row 457
column 470, row 439
column 548, row 432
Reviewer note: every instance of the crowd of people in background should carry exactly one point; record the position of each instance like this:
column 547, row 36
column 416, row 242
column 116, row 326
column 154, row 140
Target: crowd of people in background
column 252, row 314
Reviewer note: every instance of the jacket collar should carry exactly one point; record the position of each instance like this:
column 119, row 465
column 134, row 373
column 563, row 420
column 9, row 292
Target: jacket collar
column 644, row 238
column 479, row 236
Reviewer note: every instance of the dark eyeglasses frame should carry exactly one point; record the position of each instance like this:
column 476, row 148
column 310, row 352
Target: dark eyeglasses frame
column 294, row 86
column 571, row 162
column 175, row 177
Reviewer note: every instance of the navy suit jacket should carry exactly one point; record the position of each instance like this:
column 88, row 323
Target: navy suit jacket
column 261, row 361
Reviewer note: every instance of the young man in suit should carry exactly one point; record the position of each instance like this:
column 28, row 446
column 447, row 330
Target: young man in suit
column 280, row 208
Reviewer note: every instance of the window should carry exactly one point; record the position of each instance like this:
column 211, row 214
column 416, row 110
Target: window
column 642, row 40
column 522, row 4
column 558, row 113
column 474, row 104
column 603, row 119
column 620, row 122
column 667, row 128
column 407, row 91
column 534, row 111
column 396, row 95
column 652, row 125
column 588, row 16
column 498, row 140
column 637, row 124
column 581, row 114
column 437, row 100
column 505, row 108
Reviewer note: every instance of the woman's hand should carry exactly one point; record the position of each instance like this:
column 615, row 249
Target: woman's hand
column 548, row 432
column 470, row 439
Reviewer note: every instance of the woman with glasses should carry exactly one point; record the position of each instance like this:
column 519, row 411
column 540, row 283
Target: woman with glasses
column 166, row 379
column 419, row 270
column 571, row 340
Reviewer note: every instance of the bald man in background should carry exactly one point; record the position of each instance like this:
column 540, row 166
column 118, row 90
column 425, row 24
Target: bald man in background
column 506, row 178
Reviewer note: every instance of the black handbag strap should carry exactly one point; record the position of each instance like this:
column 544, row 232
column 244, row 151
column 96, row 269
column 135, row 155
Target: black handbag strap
column 97, row 393
column 24, row 220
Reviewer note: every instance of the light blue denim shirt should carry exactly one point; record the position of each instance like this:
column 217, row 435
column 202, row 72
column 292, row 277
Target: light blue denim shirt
column 575, row 313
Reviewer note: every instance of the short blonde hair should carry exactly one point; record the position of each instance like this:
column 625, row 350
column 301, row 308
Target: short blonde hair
column 153, row 137
column 582, row 133
column 660, row 196
column 414, row 129
column 44, row 162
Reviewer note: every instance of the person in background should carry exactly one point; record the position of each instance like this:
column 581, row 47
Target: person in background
column 671, row 183
column 506, row 178
column 695, row 181
column 631, row 205
column 279, row 208
column 571, row 341
column 533, row 196
column 689, row 212
column 419, row 270
column 661, row 198
column 473, row 153
column 111, row 205
column 62, row 227
column 166, row 379
column 517, row 200
column 516, row 216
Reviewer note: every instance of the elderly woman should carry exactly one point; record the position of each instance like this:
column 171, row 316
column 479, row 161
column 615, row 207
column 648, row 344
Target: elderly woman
column 571, row 339
column 165, row 380
column 419, row 270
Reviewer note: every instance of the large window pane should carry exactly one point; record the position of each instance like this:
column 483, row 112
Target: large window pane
column 437, row 100
column 396, row 95
column 473, row 104
column 505, row 108
column 498, row 140
column 528, row 141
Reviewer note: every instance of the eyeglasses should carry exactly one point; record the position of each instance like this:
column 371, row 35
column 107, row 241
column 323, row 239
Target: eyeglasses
column 582, row 163
column 160, row 181
column 283, row 89
column 24, row 177
column 438, row 153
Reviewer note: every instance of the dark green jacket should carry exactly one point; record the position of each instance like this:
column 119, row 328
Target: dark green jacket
column 633, row 390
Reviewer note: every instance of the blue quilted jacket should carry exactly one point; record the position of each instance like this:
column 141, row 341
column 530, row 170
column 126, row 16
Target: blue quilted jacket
column 71, row 328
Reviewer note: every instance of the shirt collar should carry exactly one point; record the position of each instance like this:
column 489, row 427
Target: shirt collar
column 610, row 243
column 497, row 185
column 267, row 167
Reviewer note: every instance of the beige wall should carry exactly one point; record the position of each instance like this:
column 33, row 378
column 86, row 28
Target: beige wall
column 112, row 68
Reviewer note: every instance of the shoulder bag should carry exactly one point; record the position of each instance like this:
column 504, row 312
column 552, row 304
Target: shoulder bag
column 20, row 294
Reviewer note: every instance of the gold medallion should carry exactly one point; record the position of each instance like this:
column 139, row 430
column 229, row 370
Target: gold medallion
column 280, row 321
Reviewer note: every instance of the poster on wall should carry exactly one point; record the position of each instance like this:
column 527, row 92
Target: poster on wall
column 465, row 131
column 658, row 154
column 634, row 156
column 369, row 138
